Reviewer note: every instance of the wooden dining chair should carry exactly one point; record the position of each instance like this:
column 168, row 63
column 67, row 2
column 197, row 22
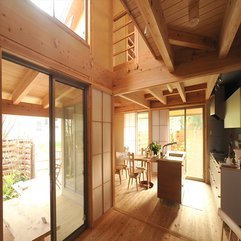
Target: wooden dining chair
column 134, row 173
column 142, row 167
column 121, row 163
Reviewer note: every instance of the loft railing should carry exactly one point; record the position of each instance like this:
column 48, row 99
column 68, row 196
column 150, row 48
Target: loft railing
column 124, row 47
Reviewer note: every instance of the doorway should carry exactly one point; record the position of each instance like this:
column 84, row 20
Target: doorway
column 186, row 128
column 43, row 142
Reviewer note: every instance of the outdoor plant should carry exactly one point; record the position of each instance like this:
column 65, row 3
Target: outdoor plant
column 155, row 147
column 8, row 181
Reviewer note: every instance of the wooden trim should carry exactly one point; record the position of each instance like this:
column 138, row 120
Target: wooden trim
column 231, row 23
column 1, row 162
column 154, row 19
column 90, row 156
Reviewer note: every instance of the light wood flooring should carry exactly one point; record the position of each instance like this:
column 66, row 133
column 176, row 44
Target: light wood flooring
column 140, row 215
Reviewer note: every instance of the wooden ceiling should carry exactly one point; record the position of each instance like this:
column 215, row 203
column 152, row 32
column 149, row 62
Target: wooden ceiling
column 179, row 33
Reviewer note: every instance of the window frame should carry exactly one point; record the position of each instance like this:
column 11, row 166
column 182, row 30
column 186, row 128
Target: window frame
column 64, row 27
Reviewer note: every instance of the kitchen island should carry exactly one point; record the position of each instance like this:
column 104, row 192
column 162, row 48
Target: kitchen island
column 170, row 176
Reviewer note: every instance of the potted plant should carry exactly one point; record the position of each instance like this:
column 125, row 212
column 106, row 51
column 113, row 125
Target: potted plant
column 155, row 147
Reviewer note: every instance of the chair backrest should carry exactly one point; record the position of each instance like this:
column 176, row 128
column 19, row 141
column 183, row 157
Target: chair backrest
column 131, row 162
column 121, row 158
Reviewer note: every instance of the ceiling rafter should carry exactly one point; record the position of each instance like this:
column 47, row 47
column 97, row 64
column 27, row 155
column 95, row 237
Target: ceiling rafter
column 180, row 89
column 24, row 86
column 190, row 40
column 158, row 94
column 154, row 19
column 137, row 98
column 45, row 100
column 210, row 85
column 231, row 23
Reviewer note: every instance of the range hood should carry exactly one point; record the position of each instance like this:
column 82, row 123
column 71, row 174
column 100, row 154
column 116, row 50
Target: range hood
column 217, row 105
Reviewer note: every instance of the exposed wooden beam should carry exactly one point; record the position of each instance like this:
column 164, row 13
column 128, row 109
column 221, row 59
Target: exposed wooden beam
column 157, row 93
column 193, row 11
column 153, row 16
column 75, row 13
column 194, row 98
column 23, row 109
column 187, row 89
column 169, row 87
column 231, row 23
column 136, row 98
column 180, row 89
column 24, row 86
column 190, row 40
column 210, row 85
column 45, row 101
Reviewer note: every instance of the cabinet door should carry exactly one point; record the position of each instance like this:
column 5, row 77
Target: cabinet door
column 232, row 117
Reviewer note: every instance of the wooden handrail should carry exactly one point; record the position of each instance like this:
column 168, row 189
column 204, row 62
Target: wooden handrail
column 122, row 51
column 122, row 26
column 119, row 15
column 127, row 36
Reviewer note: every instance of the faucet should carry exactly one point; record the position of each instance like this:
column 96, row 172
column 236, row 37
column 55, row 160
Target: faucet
column 164, row 148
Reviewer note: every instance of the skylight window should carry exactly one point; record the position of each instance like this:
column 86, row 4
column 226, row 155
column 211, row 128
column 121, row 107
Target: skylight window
column 72, row 13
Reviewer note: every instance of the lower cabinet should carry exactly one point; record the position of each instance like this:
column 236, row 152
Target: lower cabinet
column 215, row 180
column 170, row 180
column 231, row 193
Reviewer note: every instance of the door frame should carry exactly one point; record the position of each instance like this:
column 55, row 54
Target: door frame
column 203, row 141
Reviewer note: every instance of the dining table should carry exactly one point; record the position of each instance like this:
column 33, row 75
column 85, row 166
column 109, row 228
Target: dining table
column 146, row 161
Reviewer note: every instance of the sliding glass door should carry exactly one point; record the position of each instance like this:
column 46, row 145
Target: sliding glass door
column 69, row 147
column 186, row 128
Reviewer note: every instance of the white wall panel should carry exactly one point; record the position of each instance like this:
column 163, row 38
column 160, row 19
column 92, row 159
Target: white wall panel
column 97, row 202
column 106, row 107
column 97, row 170
column 107, row 196
column 96, row 105
column 107, row 166
column 96, row 138
column 106, row 137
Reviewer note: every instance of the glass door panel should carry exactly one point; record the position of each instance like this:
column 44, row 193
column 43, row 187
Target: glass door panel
column 194, row 143
column 177, row 129
column 25, row 153
column 69, row 139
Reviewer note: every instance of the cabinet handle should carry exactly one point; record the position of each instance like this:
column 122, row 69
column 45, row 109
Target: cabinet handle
column 219, row 196
column 219, row 171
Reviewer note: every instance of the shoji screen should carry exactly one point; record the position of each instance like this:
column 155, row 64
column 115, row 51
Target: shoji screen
column 101, row 152
column 160, row 127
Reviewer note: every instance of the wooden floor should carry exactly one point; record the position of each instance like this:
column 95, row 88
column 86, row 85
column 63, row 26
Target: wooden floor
column 140, row 215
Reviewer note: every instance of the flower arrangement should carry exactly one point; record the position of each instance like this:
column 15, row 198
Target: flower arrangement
column 155, row 147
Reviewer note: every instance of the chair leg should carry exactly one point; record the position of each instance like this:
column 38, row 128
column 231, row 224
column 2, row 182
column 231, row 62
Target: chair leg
column 129, row 182
column 120, row 177
column 136, row 185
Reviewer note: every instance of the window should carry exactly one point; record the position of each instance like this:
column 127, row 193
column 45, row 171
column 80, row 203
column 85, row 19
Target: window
column 72, row 13
column 136, row 131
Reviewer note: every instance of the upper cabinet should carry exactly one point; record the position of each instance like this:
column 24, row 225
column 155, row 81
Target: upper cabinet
column 233, row 110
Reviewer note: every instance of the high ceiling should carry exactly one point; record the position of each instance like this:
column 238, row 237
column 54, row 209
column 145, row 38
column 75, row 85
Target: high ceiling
column 179, row 33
